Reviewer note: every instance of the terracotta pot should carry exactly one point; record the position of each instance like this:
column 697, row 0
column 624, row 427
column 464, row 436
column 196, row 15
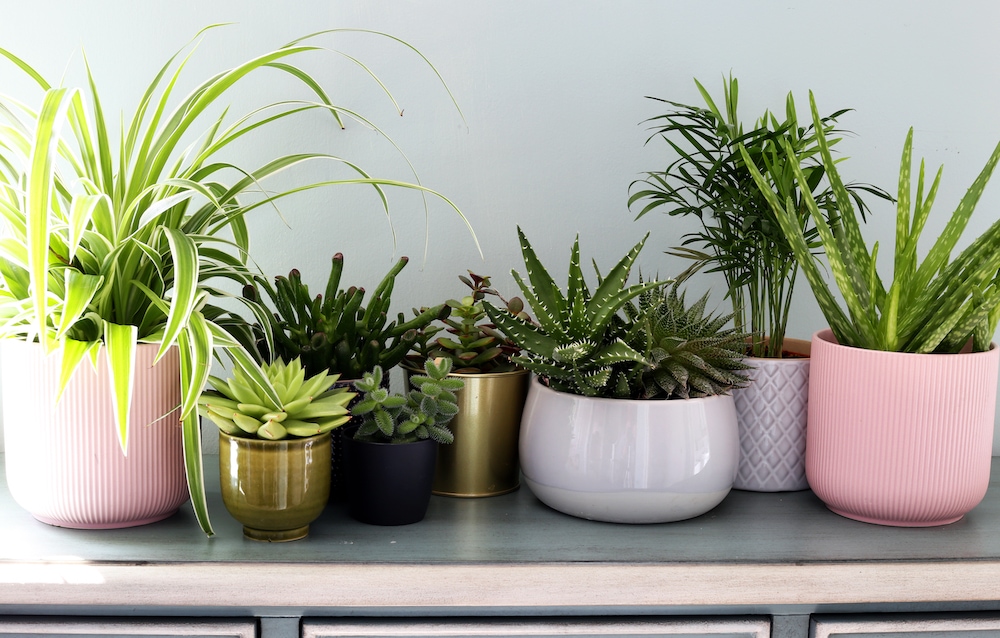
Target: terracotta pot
column 628, row 461
column 64, row 463
column 275, row 488
column 483, row 459
column 772, row 414
column 897, row 438
column 389, row 483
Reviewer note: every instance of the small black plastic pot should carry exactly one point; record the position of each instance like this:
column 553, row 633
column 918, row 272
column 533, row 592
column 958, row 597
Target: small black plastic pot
column 389, row 483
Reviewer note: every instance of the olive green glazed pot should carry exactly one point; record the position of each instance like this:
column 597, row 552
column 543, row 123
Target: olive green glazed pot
column 275, row 488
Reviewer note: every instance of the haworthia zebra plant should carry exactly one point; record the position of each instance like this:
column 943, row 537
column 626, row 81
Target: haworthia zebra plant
column 576, row 343
column 936, row 305
column 691, row 353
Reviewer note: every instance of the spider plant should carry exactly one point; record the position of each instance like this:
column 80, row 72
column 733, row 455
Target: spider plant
column 935, row 305
column 740, row 236
column 113, row 240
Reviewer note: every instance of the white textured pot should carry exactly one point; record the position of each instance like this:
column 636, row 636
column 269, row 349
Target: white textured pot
column 772, row 413
column 628, row 461
column 64, row 463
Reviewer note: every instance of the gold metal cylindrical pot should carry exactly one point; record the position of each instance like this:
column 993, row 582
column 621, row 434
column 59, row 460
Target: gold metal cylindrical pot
column 483, row 459
column 275, row 488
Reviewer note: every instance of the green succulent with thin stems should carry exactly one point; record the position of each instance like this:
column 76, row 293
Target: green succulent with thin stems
column 474, row 345
column 112, row 243
column 306, row 406
column 335, row 331
column 935, row 305
column 576, row 343
column 691, row 353
column 422, row 413
column 740, row 236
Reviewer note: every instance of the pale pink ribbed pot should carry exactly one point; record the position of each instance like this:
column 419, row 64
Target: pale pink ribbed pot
column 64, row 463
column 897, row 438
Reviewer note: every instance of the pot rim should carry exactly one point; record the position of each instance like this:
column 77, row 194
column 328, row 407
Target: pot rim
column 266, row 443
column 828, row 339
column 536, row 380
column 473, row 375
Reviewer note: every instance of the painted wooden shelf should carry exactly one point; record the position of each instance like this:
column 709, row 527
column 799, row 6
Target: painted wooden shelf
column 754, row 554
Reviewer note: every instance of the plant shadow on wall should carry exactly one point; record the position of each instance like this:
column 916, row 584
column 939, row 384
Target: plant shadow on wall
column 113, row 247
column 903, row 386
column 630, row 419
column 741, row 237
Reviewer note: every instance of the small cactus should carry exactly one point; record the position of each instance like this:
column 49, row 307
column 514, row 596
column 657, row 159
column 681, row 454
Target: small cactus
column 307, row 407
column 423, row 413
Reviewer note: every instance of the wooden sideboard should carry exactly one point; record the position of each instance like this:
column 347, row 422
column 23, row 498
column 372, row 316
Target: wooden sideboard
column 758, row 565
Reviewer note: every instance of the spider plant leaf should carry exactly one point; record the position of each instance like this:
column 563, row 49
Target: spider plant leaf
column 184, row 254
column 193, row 463
column 51, row 118
column 79, row 292
column 81, row 212
column 73, row 353
column 200, row 345
column 120, row 342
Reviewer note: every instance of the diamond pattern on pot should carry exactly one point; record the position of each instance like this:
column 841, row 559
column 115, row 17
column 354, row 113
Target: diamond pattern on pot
column 772, row 413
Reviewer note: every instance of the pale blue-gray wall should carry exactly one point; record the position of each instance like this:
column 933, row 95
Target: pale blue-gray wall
column 553, row 99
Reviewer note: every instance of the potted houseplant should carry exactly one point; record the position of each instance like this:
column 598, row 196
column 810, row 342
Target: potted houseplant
column 274, row 456
column 741, row 238
column 335, row 331
column 390, row 456
column 113, row 254
column 483, row 459
column 903, row 384
column 630, row 419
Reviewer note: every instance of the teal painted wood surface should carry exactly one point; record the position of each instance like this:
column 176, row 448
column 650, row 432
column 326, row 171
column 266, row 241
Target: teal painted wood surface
column 516, row 528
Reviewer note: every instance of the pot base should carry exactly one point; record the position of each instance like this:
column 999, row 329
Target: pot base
column 633, row 506
column 71, row 524
column 276, row 535
column 476, row 494
column 891, row 523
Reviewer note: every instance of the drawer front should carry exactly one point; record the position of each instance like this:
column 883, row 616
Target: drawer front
column 563, row 628
column 125, row 628
column 950, row 626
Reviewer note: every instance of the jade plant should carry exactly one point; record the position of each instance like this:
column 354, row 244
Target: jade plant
column 577, row 342
column 740, row 237
column 422, row 413
column 939, row 304
column 472, row 343
column 334, row 331
column 305, row 406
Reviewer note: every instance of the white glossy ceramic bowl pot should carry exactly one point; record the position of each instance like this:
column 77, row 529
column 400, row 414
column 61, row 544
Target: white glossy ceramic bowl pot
column 628, row 461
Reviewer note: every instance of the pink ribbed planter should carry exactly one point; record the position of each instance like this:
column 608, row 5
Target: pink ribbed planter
column 897, row 438
column 64, row 463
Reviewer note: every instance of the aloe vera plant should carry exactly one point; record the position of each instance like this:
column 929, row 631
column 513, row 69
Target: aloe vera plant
column 934, row 305
column 111, row 243
column 740, row 237
column 576, row 343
